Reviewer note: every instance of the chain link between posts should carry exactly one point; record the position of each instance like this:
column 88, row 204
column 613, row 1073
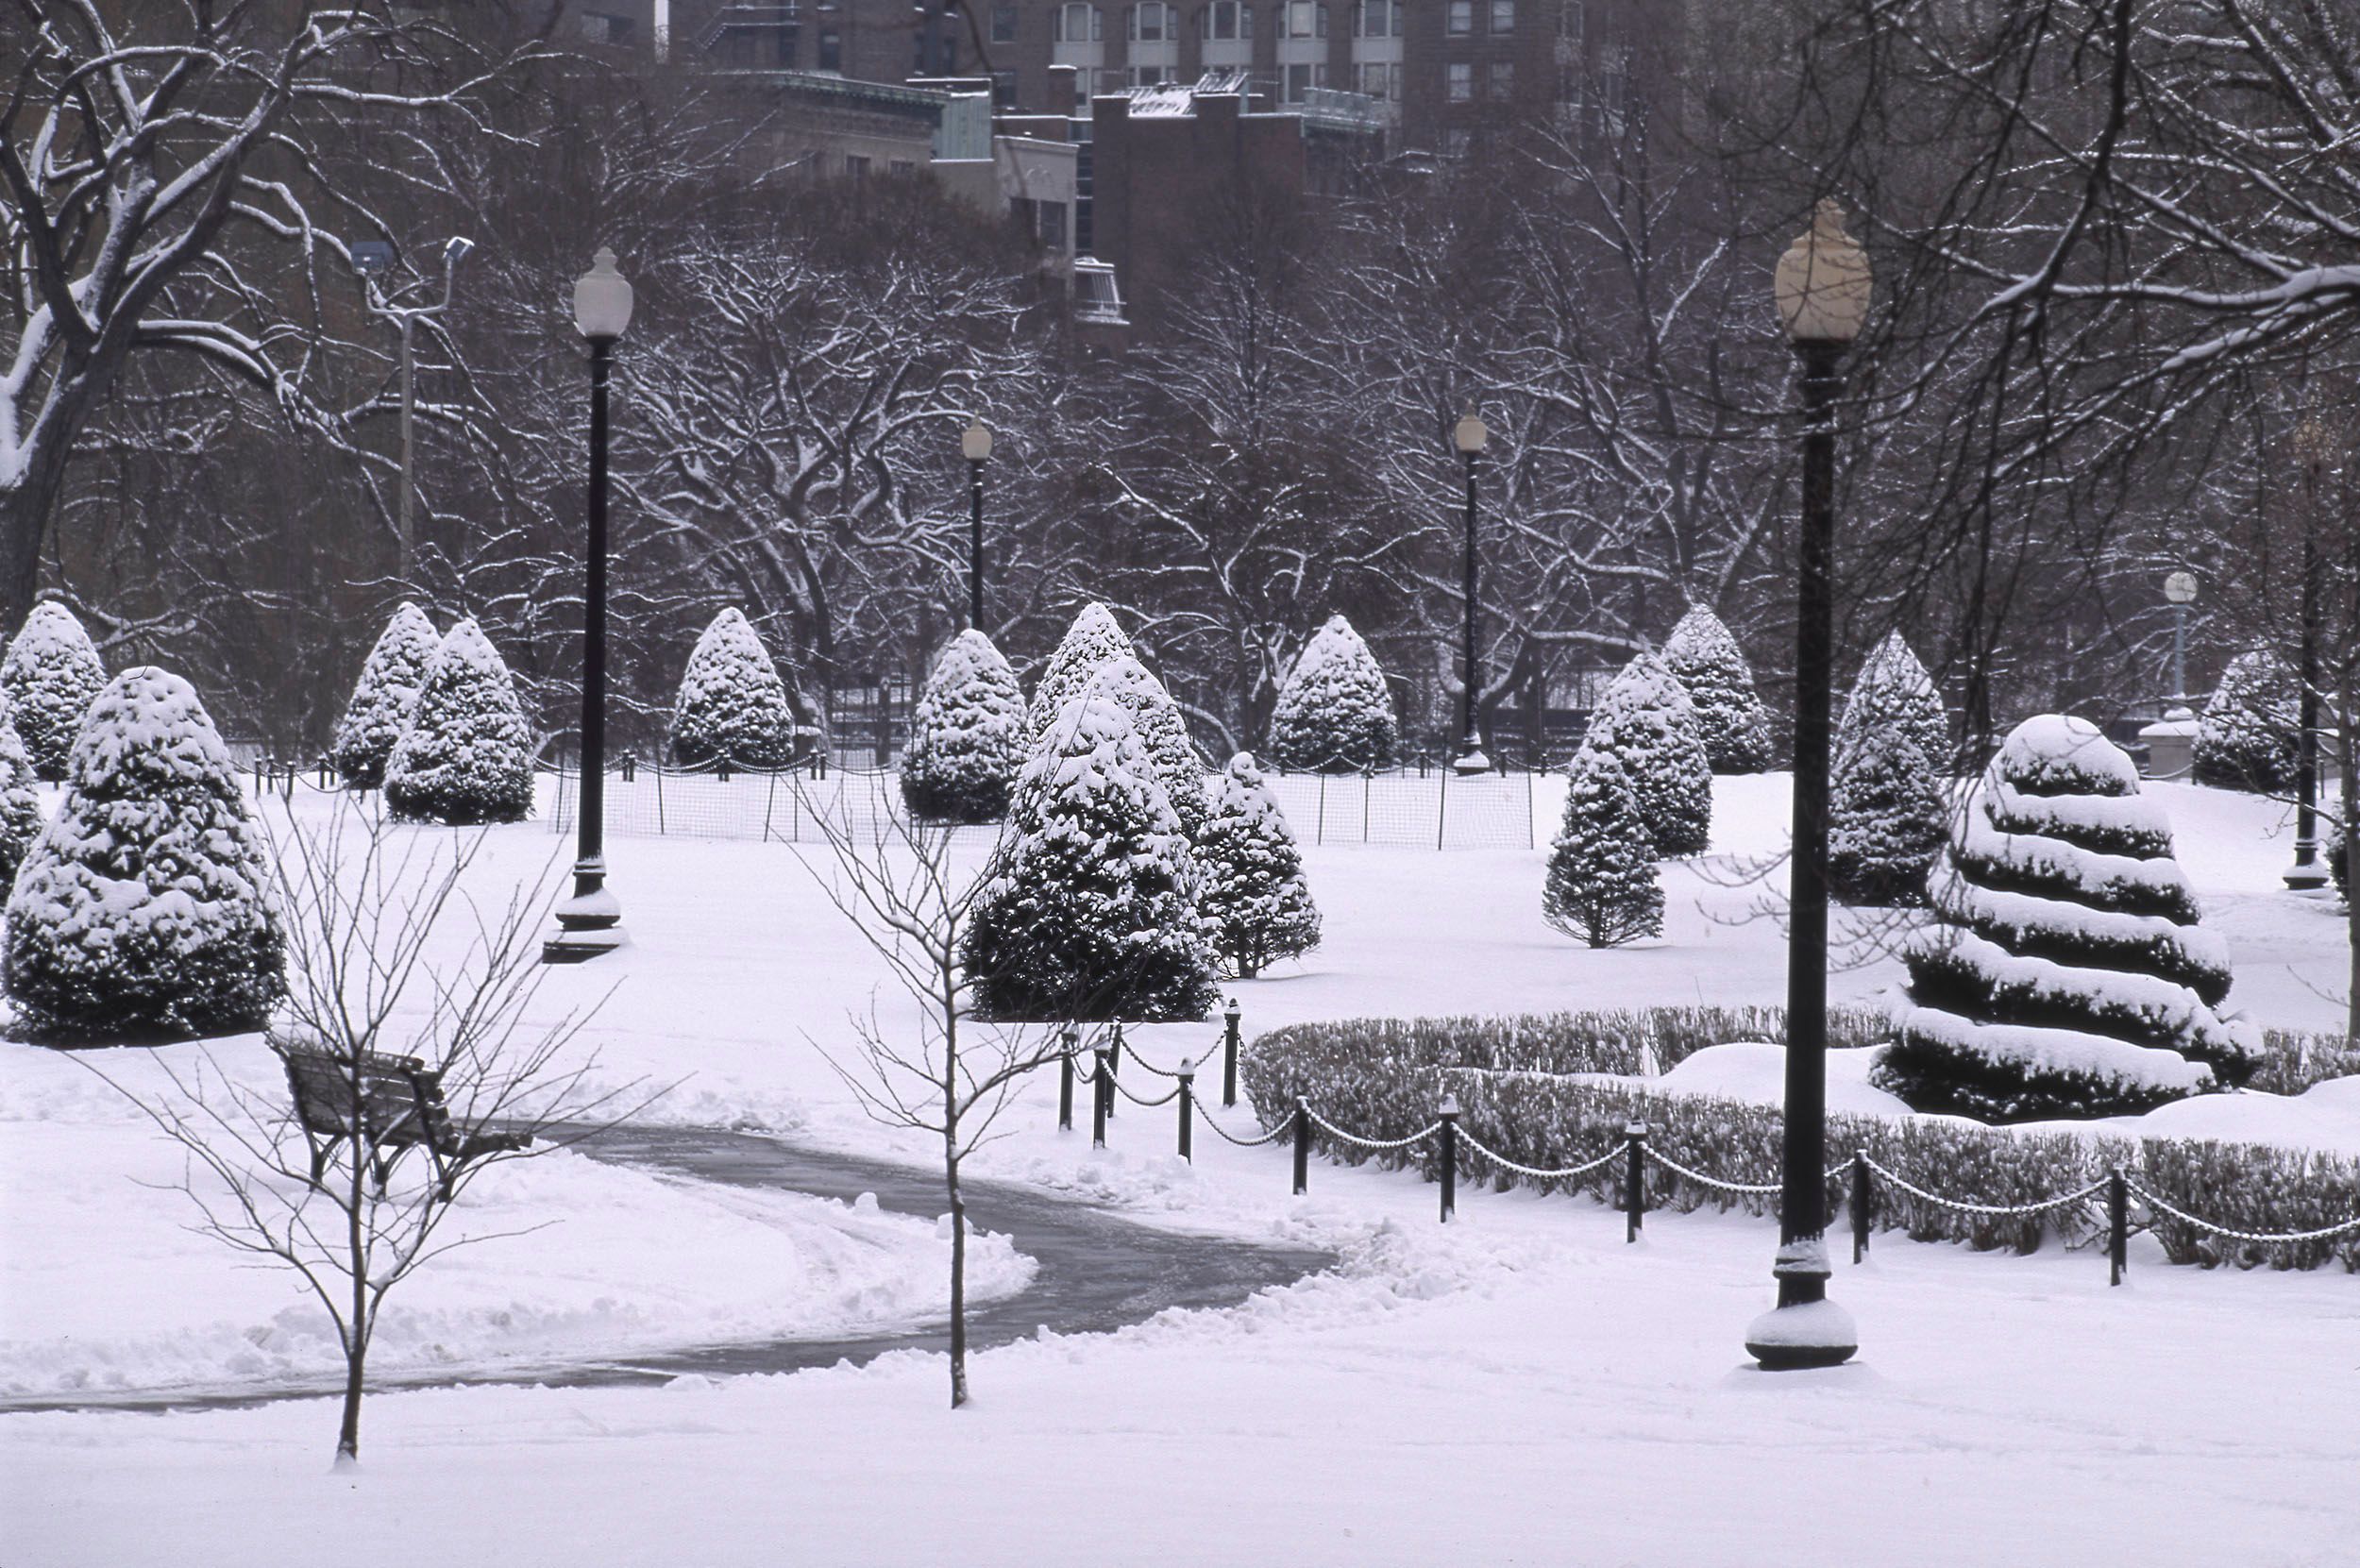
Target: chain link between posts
column 2185, row 1218
column 1419, row 1136
column 1502, row 1160
column 1966, row 1208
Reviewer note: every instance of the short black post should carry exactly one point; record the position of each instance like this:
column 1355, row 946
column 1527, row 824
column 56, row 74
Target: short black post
column 1229, row 1056
column 1449, row 1114
column 1634, row 1179
column 1862, row 1205
column 1098, row 1094
column 2117, row 1225
column 1303, row 1146
column 1114, row 1066
column 1072, row 1040
column 1187, row 1106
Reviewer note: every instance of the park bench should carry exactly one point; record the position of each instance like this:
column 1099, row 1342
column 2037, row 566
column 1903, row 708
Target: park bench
column 395, row 1103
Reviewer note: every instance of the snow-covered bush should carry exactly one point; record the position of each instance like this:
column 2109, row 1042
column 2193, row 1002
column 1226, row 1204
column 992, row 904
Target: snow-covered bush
column 21, row 817
column 1602, row 885
column 1335, row 713
column 733, row 706
column 2066, row 974
column 51, row 676
column 144, row 910
column 1092, row 640
column 382, row 697
column 1887, row 819
column 1894, row 691
column 1092, row 911
column 2250, row 736
column 1713, row 672
column 1165, row 734
column 1253, row 901
column 967, row 734
column 466, row 757
column 1647, row 722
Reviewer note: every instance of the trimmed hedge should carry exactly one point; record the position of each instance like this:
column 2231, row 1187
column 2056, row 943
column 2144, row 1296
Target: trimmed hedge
column 2293, row 1061
column 1517, row 1089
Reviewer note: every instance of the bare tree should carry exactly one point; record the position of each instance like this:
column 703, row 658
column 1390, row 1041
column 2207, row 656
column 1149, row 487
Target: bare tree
column 894, row 878
column 370, row 926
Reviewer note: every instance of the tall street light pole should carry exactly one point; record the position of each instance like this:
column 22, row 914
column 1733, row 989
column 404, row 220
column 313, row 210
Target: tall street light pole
column 1469, row 436
column 590, row 923
column 1822, row 287
column 374, row 259
column 2309, row 873
column 2179, row 591
column 975, row 445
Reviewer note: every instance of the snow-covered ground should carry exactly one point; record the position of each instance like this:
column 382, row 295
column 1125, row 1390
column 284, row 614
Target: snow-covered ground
column 1518, row 1387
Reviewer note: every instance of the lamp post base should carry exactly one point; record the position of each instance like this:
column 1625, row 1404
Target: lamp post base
column 590, row 923
column 1472, row 760
column 2308, row 874
column 1805, row 1329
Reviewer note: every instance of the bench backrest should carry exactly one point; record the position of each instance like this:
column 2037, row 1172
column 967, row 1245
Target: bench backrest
column 398, row 1099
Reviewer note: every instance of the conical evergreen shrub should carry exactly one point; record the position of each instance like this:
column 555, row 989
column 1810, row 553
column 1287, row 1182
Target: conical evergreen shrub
column 1603, row 886
column 967, row 734
column 21, row 817
column 51, row 676
column 733, row 706
column 2066, row 975
column 1892, row 691
column 1713, row 670
column 1255, row 902
column 1887, row 820
column 1335, row 713
column 2251, row 735
column 1170, row 751
column 382, row 697
column 144, row 911
column 1091, row 641
column 1093, row 912
column 466, row 757
column 1647, row 722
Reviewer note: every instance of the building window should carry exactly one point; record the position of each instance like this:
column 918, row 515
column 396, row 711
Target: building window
column 1153, row 23
column 1376, row 18
column 1078, row 24
column 1456, row 143
column 856, row 167
column 1459, row 74
column 1461, row 18
column 1503, row 79
column 1004, row 90
column 599, row 28
column 1569, row 20
column 1052, row 228
column 1228, row 19
column 901, row 168
column 1304, row 19
column 1003, row 24
column 1151, row 76
column 1302, row 78
column 1502, row 17
column 831, row 49
column 1381, row 81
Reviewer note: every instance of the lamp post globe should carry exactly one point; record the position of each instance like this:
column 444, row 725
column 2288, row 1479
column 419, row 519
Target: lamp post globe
column 590, row 923
column 1469, row 436
column 1822, row 290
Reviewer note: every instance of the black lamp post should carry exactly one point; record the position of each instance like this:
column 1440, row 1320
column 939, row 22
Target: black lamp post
column 1469, row 435
column 1822, row 290
column 2309, row 873
column 975, row 445
column 590, row 923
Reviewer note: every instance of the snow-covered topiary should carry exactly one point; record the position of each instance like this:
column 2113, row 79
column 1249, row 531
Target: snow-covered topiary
column 1093, row 912
column 1603, row 883
column 1713, row 672
column 467, row 756
column 1647, row 722
column 1887, row 820
column 1894, row 691
column 143, row 911
column 51, row 676
column 1254, row 902
column 2251, row 735
column 1335, row 714
column 21, row 817
column 1092, row 640
column 733, row 706
column 2068, row 975
column 382, row 697
column 1164, row 732
column 967, row 734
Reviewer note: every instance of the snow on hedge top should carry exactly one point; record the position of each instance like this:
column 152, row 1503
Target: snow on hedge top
column 51, row 676
column 1894, row 690
column 382, row 697
column 1713, row 670
column 972, row 702
column 2059, row 754
column 1093, row 748
column 149, row 737
column 1094, row 638
column 1334, row 709
column 731, row 705
column 1161, row 731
